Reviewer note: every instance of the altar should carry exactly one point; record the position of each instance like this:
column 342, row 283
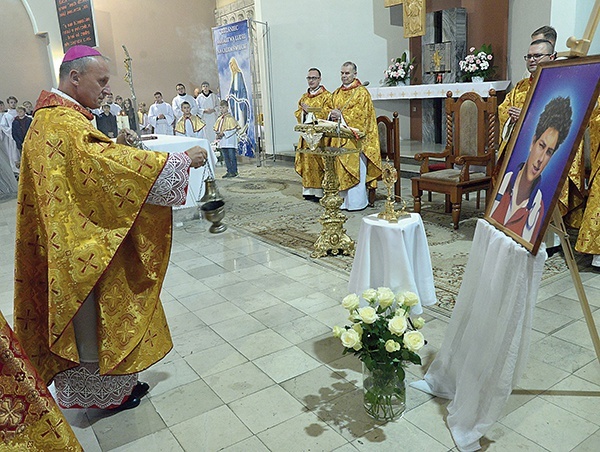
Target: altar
column 422, row 115
column 436, row 90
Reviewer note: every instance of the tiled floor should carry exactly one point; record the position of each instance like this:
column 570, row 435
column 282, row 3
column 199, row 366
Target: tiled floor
column 254, row 367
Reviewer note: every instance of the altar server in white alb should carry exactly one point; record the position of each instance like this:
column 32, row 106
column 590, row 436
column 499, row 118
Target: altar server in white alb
column 208, row 104
column 161, row 115
column 180, row 98
column 8, row 142
column 190, row 125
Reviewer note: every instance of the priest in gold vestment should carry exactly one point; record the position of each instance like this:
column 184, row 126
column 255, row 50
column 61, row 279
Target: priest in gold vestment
column 588, row 240
column 352, row 106
column 310, row 166
column 93, row 240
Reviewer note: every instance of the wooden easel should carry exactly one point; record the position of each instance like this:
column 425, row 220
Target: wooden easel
column 579, row 47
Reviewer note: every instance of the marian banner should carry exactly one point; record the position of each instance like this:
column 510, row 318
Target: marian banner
column 232, row 45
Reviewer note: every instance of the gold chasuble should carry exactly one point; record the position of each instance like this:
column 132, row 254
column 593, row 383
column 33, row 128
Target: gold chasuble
column 309, row 166
column 515, row 98
column 30, row 420
column 588, row 240
column 82, row 225
column 197, row 124
column 354, row 101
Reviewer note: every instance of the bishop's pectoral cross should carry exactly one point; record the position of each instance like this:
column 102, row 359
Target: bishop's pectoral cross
column 413, row 13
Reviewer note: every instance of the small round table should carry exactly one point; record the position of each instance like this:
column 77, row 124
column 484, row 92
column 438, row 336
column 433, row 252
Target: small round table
column 394, row 255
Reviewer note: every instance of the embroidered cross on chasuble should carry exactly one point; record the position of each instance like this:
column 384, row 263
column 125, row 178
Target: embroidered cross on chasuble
column 413, row 14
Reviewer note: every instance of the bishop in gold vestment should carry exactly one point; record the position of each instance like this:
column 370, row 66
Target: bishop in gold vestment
column 353, row 106
column 93, row 240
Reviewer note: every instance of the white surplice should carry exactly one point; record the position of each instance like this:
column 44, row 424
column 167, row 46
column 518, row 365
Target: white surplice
column 178, row 100
column 8, row 142
column 204, row 103
column 162, row 126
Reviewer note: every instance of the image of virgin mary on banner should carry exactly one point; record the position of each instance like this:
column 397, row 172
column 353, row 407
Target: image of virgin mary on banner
column 232, row 46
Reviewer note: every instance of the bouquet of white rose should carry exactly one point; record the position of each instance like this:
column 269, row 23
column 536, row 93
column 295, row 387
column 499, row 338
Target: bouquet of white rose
column 385, row 339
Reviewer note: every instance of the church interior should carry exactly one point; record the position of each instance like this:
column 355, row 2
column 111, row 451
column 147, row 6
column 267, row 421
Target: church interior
column 251, row 307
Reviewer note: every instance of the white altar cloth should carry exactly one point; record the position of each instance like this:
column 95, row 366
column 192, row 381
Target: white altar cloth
column 438, row 90
column 394, row 255
column 487, row 341
column 172, row 143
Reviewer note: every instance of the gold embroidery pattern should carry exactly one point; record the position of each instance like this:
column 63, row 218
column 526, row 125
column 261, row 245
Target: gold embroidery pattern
column 83, row 226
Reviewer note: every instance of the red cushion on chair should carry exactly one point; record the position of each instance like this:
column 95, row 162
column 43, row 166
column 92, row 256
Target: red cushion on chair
column 437, row 166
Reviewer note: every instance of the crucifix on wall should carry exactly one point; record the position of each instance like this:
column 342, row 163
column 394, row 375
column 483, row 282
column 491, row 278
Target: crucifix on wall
column 413, row 14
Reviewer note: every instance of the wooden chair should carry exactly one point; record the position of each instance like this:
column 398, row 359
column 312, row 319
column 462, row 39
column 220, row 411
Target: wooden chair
column 471, row 143
column 389, row 145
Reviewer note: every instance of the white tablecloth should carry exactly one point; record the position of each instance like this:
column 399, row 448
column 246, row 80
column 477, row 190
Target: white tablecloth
column 172, row 143
column 394, row 255
column 487, row 341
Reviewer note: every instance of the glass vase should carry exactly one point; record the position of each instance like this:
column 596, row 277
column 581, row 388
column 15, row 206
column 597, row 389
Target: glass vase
column 477, row 79
column 384, row 393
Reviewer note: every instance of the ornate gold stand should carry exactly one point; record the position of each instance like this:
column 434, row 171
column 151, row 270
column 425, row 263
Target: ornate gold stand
column 333, row 237
column 390, row 176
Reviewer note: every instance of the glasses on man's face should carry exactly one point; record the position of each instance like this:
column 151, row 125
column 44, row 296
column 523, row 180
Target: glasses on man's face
column 535, row 56
column 312, row 78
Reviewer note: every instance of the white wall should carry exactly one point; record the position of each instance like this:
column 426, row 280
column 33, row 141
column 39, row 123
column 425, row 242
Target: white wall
column 569, row 18
column 323, row 34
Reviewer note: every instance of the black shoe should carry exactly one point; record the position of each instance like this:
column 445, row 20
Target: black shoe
column 233, row 175
column 309, row 197
column 226, row 175
column 140, row 389
column 130, row 403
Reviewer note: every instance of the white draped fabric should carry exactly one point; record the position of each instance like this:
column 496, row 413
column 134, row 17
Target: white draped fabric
column 394, row 255
column 356, row 198
column 487, row 341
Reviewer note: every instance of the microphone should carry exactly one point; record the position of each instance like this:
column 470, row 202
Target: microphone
column 366, row 83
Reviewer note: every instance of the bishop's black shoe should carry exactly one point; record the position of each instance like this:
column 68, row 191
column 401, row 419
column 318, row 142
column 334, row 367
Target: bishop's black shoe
column 130, row 403
column 139, row 391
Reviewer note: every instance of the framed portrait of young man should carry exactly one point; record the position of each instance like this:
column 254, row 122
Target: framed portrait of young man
column 542, row 146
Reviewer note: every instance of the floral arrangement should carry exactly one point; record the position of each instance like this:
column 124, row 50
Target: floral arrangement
column 478, row 63
column 398, row 71
column 384, row 338
column 382, row 333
